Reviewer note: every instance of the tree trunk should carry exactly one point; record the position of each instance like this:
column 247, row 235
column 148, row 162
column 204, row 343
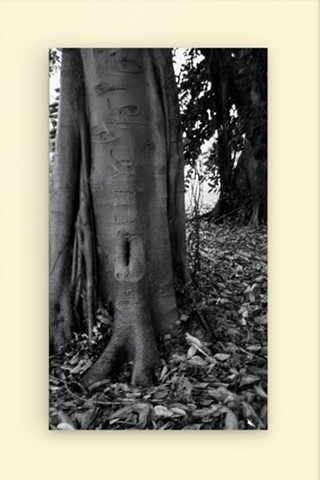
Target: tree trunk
column 224, row 162
column 119, row 119
column 250, row 181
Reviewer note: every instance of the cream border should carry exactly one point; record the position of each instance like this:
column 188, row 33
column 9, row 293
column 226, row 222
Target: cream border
column 289, row 450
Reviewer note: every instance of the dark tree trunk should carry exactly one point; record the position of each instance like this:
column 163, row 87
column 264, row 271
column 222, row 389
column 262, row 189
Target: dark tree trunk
column 224, row 161
column 250, row 184
column 118, row 132
column 250, row 175
column 243, row 190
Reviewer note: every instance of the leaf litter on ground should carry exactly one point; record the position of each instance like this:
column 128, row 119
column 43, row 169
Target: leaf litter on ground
column 213, row 375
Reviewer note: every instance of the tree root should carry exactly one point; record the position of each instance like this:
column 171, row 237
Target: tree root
column 126, row 342
column 61, row 320
column 133, row 337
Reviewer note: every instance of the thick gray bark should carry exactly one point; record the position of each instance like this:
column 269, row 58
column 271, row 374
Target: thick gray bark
column 135, row 182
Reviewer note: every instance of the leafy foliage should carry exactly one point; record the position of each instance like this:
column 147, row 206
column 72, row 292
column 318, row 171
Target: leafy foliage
column 223, row 98
column 54, row 67
column 54, row 60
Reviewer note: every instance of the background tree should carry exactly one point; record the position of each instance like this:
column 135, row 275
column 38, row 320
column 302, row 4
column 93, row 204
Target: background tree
column 223, row 95
column 117, row 232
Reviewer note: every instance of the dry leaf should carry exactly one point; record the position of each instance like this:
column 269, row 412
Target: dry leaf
column 203, row 412
column 162, row 411
column 84, row 418
column 224, row 301
column 249, row 413
column 86, row 366
column 254, row 348
column 77, row 369
column 191, row 352
column 178, row 411
column 193, row 426
column 197, row 361
column 97, row 385
column 123, row 412
column 65, row 426
column 231, row 422
column 220, row 394
column 143, row 416
column 222, row 356
column 193, row 341
column 252, row 298
column 66, row 419
column 261, row 320
column 74, row 359
column 248, row 380
column 260, row 392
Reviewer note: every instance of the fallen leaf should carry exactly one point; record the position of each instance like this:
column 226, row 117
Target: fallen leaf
column 97, row 385
column 166, row 426
column 222, row 356
column 231, row 347
column 260, row 392
column 193, row 426
column 264, row 413
column 249, row 289
column 177, row 358
column 66, row 367
column 143, row 416
column 183, row 391
column 193, row 341
column 219, row 410
column 163, row 373
column 85, row 418
column 243, row 311
column 86, row 365
column 122, row 412
column 74, row 359
column 250, row 415
column 254, row 348
column 224, row 301
column 178, row 411
column 125, row 411
column 233, row 331
column 220, row 394
column 248, row 380
column 200, row 385
column 65, row 426
column 77, row 369
column 191, row 352
column 114, row 420
column 162, row 411
column 66, row 419
column 231, row 422
column 204, row 412
column 252, row 298
column 197, row 361
column 261, row 320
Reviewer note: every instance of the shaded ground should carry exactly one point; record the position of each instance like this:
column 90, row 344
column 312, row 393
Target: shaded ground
column 213, row 375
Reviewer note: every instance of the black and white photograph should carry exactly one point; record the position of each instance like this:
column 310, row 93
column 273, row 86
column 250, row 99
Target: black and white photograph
column 158, row 239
